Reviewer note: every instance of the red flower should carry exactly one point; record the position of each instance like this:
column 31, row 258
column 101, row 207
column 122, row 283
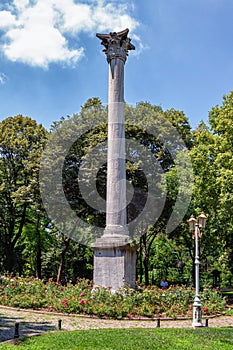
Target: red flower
column 64, row 302
column 205, row 309
column 82, row 301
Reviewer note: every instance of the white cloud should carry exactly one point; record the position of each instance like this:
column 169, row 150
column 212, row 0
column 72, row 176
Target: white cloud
column 38, row 32
column 7, row 20
column 138, row 43
column 3, row 78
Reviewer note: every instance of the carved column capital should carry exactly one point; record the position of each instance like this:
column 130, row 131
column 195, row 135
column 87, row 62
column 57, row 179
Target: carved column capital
column 116, row 45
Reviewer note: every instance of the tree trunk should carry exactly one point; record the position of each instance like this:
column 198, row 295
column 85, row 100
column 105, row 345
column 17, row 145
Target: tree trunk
column 140, row 262
column 38, row 250
column 38, row 263
column 10, row 252
column 10, row 258
column 231, row 266
column 62, row 261
column 146, row 269
column 145, row 258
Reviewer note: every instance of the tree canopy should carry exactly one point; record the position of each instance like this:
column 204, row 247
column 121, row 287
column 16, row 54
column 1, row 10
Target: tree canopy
column 21, row 144
column 212, row 160
column 161, row 149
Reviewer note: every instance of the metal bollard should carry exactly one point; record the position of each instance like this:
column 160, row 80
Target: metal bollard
column 59, row 325
column 16, row 330
column 158, row 322
column 207, row 322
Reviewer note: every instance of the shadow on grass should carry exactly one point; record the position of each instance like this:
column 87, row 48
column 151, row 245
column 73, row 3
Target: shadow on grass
column 7, row 328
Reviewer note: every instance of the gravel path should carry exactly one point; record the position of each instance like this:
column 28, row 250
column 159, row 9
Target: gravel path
column 34, row 322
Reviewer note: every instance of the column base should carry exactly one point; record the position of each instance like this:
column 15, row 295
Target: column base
column 197, row 325
column 114, row 263
column 197, row 313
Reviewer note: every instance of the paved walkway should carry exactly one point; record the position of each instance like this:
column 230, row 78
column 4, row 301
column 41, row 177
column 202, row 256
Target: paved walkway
column 34, row 322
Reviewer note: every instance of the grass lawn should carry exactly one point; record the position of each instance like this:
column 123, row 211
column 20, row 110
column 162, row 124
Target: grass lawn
column 130, row 339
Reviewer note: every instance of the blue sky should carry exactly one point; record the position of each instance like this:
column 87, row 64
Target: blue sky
column 51, row 62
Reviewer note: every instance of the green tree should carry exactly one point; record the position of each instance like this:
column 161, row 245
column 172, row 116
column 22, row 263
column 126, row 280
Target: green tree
column 21, row 144
column 36, row 239
column 213, row 164
column 78, row 262
column 173, row 184
column 141, row 121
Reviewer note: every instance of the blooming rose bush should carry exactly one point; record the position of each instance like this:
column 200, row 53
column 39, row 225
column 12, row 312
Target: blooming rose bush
column 81, row 299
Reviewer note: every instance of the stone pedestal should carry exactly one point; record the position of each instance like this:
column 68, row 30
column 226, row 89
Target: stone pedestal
column 114, row 263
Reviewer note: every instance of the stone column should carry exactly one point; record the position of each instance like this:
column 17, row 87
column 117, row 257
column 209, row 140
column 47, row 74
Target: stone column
column 115, row 257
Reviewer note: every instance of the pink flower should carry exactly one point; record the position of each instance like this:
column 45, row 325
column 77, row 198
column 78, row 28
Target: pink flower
column 64, row 302
column 82, row 301
column 82, row 294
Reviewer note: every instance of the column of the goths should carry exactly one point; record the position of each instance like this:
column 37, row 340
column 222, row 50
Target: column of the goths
column 116, row 49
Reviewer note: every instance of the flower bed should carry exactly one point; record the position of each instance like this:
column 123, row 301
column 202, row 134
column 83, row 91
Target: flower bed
column 80, row 299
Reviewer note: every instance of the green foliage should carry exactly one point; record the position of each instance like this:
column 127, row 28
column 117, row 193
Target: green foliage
column 179, row 120
column 78, row 262
column 149, row 127
column 213, row 165
column 81, row 299
column 21, row 143
column 138, row 119
column 168, row 258
column 30, row 245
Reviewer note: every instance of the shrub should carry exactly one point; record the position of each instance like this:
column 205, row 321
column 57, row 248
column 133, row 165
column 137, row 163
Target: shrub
column 80, row 298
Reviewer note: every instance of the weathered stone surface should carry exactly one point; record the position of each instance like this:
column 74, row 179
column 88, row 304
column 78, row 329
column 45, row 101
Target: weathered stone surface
column 114, row 257
column 114, row 265
column 116, row 45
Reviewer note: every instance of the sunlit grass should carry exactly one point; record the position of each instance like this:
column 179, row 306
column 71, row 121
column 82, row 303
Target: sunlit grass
column 123, row 339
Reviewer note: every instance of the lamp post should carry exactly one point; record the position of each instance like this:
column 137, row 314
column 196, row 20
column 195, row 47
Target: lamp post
column 195, row 225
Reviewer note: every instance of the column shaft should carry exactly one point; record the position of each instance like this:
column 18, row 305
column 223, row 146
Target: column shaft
column 116, row 173
column 114, row 255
